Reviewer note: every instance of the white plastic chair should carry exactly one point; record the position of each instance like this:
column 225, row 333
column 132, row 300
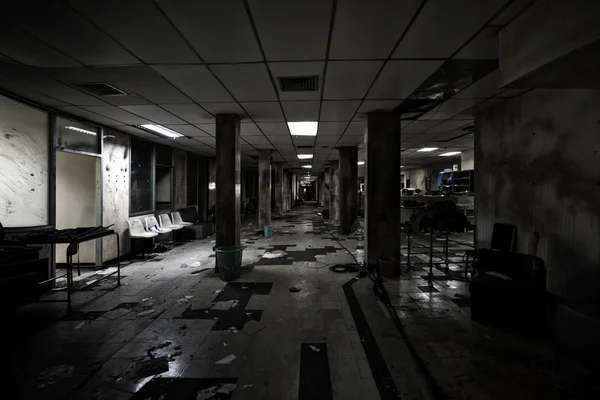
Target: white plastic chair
column 153, row 226
column 178, row 221
column 165, row 223
column 137, row 231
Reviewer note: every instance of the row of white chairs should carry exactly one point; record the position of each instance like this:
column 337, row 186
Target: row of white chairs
column 151, row 227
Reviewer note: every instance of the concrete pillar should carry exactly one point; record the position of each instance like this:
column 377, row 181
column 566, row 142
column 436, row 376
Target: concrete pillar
column 348, row 191
column 326, row 183
column 278, row 190
column 264, row 188
column 334, row 202
column 228, row 180
column 382, row 185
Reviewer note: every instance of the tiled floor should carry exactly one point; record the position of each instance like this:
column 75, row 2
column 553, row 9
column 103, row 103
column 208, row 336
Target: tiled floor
column 172, row 332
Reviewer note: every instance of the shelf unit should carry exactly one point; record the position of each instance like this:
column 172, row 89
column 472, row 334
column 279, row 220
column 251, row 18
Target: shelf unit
column 461, row 182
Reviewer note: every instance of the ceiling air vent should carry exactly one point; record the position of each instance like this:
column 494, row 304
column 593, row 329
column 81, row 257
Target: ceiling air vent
column 299, row 83
column 304, row 147
column 100, row 89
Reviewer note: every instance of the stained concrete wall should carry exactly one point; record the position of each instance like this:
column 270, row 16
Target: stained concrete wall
column 115, row 196
column 467, row 159
column 180, row 178
column 538, row 160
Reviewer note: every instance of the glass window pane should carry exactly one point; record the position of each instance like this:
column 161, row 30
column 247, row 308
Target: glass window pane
column 77, row 136
column 141, row 176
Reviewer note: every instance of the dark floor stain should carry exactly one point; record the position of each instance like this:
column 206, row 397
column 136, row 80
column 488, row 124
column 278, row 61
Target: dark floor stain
column 83, row 315
column 236, row 316
column 466, row 302
column 182, row 388
column 315, row 379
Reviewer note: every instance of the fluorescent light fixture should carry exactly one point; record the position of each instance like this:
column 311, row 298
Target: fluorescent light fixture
column 303, row 128
column 361, row 163
column 74, row 128
column 426, row 149
column 161, row 130
column 305, row 156
column 402, row 166
column 450, row 153
column 307, row 166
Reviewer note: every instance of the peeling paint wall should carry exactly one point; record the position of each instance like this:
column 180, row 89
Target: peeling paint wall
column 537, row 167
column 115, row 197
column 180, row 169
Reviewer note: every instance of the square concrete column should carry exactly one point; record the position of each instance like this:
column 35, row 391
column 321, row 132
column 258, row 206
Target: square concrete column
column 264, row 188
column 334, row 202
column 348, row 187
column 228, row 180
column 278, row 188
column 382, row 185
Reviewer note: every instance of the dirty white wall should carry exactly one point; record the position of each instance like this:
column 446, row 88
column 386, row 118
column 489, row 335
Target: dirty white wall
column 418, row 176
column 538, row 168
column 77, row 199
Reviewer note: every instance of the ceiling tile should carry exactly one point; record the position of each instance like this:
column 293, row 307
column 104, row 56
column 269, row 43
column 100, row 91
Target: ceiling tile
column 79, row 112
column 247, row 82
column 56, row 24
column 223, row 108
column 511, row 12
column 146, row 82
column 298, row 69
column 141, row 27
column 484, row 106
column 30, row 51
column 117, row 114
column 303, row 141
column 292, row 29
column 196, row 81
column 448, row 126
column 282, row 140
column 400, row 78
column 349, row 140
column 378, row 105
column 260, row 142
column 274, row 129
column 192, row 113
column 250, row 129
column 264, row 111
column 301, row 110
column 208, row 128
column 331, row 128
column 418, row 127
column 381, row 25
column 338, row 110
column 356, row 128
column 30, row 93
column 483, row 46
column 220, row 31
column 449, row 109
column 442, row 27
column 340, row 73
column 137, row 132
column 154, row 113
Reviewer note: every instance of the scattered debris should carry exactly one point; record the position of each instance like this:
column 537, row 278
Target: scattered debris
column 249, row 314
column 55, row 374
column 227, row 388
column 226, row 360
column 200, row 270
column 294, row 289
column 250, row 385
column 224, row 305
column 252, row 327
column 244, row 287
column 313, row 348
column 146, row 313
column 146, row 299
column 177, row 347
column 233, row 329
column 172, row 356
column 217, row 291
column 183, row 300
column 224, row 344
column 80, row 325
